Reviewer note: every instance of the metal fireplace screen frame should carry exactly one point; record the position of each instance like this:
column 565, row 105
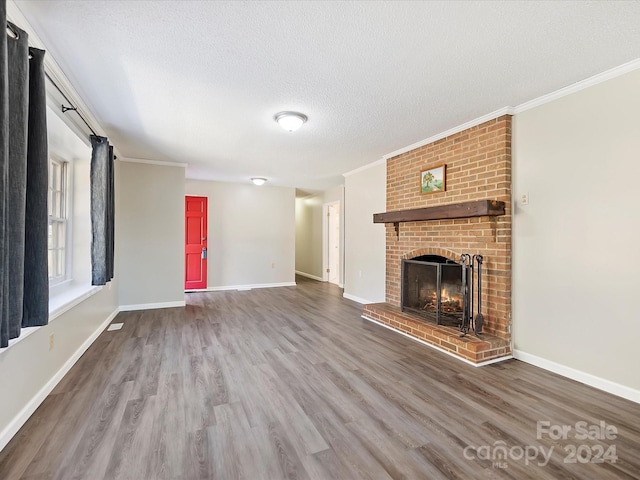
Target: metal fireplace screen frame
column 422, row 293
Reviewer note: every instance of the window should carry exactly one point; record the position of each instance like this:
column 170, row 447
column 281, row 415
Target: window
column 58, row 221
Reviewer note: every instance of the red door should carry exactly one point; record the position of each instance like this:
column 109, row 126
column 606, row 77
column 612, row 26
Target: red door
column 195, row 243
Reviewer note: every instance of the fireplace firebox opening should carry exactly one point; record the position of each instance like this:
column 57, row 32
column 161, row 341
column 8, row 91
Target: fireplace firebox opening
column 434, row 289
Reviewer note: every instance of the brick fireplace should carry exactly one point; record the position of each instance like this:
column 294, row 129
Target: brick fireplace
column 478, row 171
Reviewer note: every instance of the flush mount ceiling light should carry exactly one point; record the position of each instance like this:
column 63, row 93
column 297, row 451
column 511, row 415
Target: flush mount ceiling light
column 258, row 180
column 290, row 121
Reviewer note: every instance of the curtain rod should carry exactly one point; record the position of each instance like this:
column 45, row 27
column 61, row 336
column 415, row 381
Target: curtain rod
column 71, row 108
column 16, row 34
column 12, row 30
column 48, row 77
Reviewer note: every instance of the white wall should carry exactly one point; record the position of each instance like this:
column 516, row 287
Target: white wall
column 251, row 233
column 365, row 242
column 150, row 234
column 335, row 194
column 30, row 369
column 575, row 245
column 309, row 236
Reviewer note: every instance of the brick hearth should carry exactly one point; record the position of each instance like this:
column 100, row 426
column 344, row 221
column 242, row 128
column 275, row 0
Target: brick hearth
column 478, row 167
column 470, row 347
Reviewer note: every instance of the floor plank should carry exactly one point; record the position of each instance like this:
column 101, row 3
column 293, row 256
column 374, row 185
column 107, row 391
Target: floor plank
column 290, row 383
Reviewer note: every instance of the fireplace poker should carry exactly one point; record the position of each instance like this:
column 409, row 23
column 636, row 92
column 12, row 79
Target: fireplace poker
column 472, row 277
column 465, row 259
column 479, row 320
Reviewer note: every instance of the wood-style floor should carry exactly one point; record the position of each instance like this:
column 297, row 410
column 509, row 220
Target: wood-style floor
column 290, row 383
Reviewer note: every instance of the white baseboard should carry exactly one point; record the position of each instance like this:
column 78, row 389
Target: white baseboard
column 243, row 287
column 151, row 306
column 468, row 362
column 580, row 376
column 362, row 301
column 308, row 275
column 21, row 418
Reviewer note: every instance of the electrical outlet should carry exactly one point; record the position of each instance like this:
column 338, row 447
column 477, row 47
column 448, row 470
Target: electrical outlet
column 52, row 339
column 524, row 199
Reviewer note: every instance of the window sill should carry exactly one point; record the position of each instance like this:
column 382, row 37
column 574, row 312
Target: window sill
column 61, row 300
column 65, row 299
column 24, row 333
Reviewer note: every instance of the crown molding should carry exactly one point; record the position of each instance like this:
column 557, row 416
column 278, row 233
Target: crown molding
column 578, row 86
column 381, row 161
column 153, row 162
column 53, row 68
column 562, row 92
column 472, row 123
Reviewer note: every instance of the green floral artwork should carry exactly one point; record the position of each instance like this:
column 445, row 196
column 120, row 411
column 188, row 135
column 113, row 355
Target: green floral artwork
column 432, row 180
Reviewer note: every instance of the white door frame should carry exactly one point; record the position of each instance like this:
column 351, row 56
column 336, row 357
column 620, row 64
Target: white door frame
column 325, row 241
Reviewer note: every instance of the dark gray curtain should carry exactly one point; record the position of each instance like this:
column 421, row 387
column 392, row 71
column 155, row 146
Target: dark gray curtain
column 102, row 211
column 35, row 309
column 111, row 219
column 24, row 175
column 4, row 176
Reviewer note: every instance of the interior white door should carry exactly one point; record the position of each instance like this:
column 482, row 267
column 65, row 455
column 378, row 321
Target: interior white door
column 334, row 243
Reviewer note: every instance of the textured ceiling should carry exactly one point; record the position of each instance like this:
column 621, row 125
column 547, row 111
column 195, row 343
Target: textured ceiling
column 199, row 81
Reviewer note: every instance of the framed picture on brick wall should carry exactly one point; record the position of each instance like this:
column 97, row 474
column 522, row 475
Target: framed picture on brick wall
column 433, row 179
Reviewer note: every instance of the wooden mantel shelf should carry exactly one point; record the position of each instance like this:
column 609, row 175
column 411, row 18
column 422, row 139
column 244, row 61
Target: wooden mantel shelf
column 478, row 208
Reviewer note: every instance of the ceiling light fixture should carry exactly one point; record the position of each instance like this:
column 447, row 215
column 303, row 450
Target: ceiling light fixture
column 258, row 180
column 290, row 121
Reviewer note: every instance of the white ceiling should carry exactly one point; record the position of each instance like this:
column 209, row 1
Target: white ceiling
column 200, row 81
